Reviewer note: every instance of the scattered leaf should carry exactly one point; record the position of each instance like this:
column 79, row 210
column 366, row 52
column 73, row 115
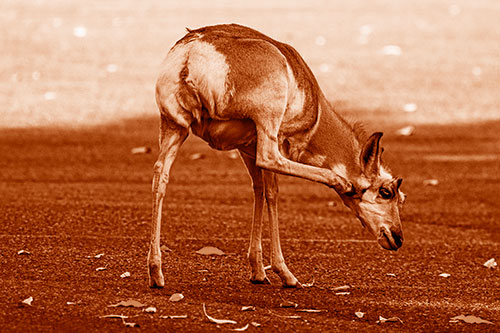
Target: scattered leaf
column 342, row 288
column 150, row 309
column 27, row 301
column 248, row 308
column 241, row 329
column 391, row 274
column 73, row 303
column 140, row 150
column 310, row 310
column 431, row 182
column 255, row 324
column 359, row 314
column 406, row 131
column 128, row 303
column 391, row 319
column 342, row 293
column 469, row 320
column 445, row 275
column 114, row 316
column 174, row 317
column 196, row 156
column 23, row 252
column 491, row 263
column 165, row 248
column 176, row 297
column 210, row 250
column 217, row 321
column 129, row 324
column 125, row 275
column 308, row 285
column 100, row 255
column 98, row 269
column 288, row 304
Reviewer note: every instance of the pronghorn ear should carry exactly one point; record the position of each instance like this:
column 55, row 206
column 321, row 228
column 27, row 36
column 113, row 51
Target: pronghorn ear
column 370, row 155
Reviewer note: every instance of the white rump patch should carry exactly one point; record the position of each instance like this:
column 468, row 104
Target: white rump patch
column 208, row 72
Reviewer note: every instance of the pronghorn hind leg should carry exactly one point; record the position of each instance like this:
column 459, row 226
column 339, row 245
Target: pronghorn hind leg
column 277, row 260
column 171, row 138
column 258, row 274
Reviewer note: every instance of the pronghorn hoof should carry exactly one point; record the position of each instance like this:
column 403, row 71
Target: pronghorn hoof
column 256, row 281
column 156, row 279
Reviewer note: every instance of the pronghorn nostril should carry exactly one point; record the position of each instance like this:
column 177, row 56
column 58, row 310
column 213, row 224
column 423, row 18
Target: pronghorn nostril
column 398, row 239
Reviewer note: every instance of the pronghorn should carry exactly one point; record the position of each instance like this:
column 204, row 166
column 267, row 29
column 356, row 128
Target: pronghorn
column 236, row 88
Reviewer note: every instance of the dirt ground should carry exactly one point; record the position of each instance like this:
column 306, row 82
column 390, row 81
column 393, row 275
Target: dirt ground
column 68, row 195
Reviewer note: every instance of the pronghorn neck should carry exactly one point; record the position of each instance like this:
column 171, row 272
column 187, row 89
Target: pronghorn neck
column 335, row 144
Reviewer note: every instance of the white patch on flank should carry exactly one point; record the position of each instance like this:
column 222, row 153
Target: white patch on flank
column 340, row 170
column 384, row 174
column 208, row 72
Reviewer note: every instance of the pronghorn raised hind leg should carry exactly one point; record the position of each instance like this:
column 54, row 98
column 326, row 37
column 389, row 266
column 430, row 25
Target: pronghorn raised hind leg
column 171, row 138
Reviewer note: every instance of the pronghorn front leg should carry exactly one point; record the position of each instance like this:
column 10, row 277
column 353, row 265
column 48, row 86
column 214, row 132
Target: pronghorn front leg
column 171, row 138
column 277, row 260
column 258, row 275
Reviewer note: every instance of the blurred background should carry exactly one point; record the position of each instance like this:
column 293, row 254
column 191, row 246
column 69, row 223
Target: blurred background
column 79, row 63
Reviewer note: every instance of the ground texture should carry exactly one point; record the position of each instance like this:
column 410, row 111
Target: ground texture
column 68, row 195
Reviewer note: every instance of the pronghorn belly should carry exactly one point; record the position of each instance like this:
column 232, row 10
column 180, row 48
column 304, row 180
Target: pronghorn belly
column 225, row 134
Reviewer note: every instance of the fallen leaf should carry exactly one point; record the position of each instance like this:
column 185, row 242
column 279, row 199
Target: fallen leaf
column 165, row 248
column 125, row 275
column 431, row 182
column 248, row 308
column 100, row 255
column 23, row 252
column 342, row 293
column 391, row 319
column 176, row 297
column 140, row 150
column 491, row 263
column 406, row 131
column 130, row 324
column 310, row 310
column 470, row 320
column 174, row 317
column 210, row 250
column 360, row 314
column 196, row 156
column 27, row 301
column 308, row 285
column 391, row 274
column 150, row 309
column 73, row 303
column 128, row 303
column 241, row 329
column 114, row 316
column 288, row 304
column 98, row 269
column 445, row 275
column 217, row 321
column 342, row 288
column 255, row 324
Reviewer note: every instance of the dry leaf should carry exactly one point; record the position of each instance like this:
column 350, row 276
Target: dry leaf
column 165, row 248
column 129, row 324
column 342, row 293
column 406, row 131
column 217, row 321
column 359, row 314
column 342, row 288
column 308, row 285
column 97, row 256
column 391, row 319
column 248, row 308
column 140, row 150
column 174, row 317
column 431, row 182
column 98, row 269
column 114, row 316
column 128, row 303
column 491, row 263
column 288, row 304
column 469, row 320
column 23, row 252
column 391, row 274
column 310, row 310
column 27, row 301
column 73, row 303
column 125, row 275
column 176, row 297
column 255, row 324
column 150, row 309
column 445, row 275
column 210, row 250
column 241, row 329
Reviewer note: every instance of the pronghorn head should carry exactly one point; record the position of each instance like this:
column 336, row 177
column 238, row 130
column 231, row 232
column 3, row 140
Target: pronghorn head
column 375, row 197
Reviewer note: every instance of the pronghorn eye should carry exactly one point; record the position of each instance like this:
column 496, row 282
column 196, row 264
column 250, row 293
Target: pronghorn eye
column 385, row 193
